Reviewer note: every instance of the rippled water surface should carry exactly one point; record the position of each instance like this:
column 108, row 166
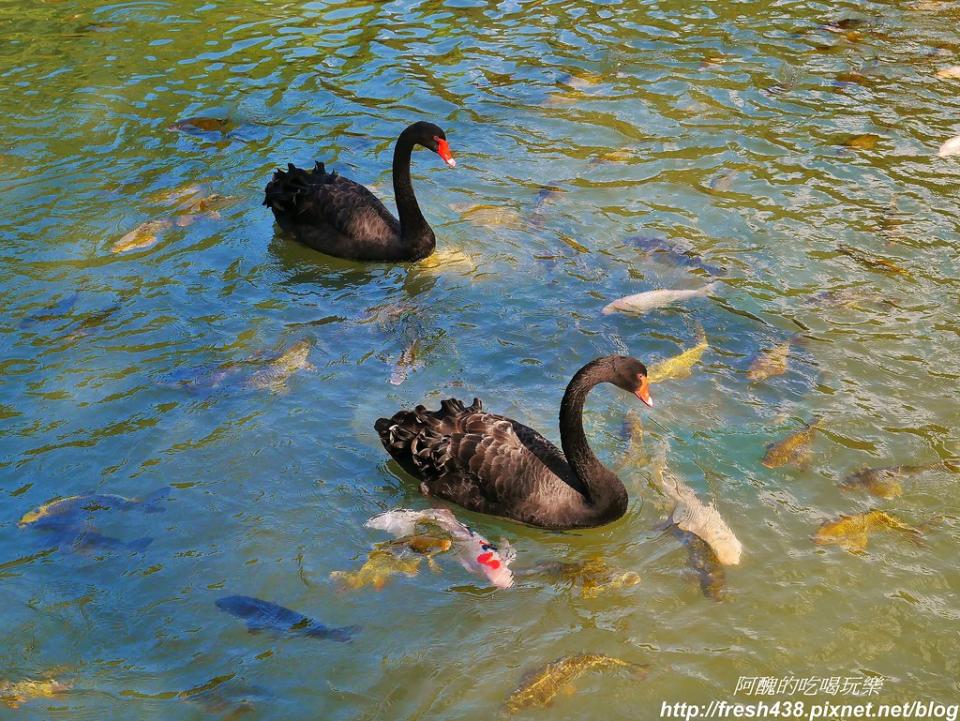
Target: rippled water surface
column 596, row 143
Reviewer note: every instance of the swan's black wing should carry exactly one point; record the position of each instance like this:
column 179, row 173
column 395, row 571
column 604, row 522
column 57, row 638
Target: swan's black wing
column 482, row 461
column 332, row 213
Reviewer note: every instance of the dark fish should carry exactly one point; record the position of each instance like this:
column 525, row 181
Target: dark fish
column 883, row 482
column 206, row 125
column 90, row 323
column 702, row 559
column 64, row 512
column 202, row 378
column 49, row 312
column 547, row 194
column 663, row 248
column 538, row 689
column 873, row 262
column 78, row 538
column 847, row 24
column 265, row 616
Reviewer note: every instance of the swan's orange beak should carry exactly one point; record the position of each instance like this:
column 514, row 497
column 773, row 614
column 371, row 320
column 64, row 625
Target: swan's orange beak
column 443, row 150
column 643, row 392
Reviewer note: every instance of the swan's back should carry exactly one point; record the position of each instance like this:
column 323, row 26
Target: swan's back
column 486, row 463
column 333, row 214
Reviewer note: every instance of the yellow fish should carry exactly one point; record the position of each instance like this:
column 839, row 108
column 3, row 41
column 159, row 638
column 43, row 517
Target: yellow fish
column 863, row 142
column 492, row 216
column 540, row 688
column 143, row 236
column 635, row 454
column 424, row 544
column 851, row 532
column 453, row 260
column 15, row 693
column 795, row 448
column 592, row 576
column 771, row 362
column 275, row 376
column 680, row 366
column 873, row 262
column 377, row 570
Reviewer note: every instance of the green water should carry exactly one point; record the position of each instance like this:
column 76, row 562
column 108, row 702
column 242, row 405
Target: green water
column 721, row 127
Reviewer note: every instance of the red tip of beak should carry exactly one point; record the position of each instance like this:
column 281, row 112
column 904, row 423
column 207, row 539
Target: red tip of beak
column 643, row 392
column 443, row 150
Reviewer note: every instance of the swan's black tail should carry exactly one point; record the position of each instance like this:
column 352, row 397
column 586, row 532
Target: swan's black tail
column 286, row 189
column 408, row 433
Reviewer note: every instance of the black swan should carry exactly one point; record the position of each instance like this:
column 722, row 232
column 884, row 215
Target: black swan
column 494, row 465
column 340, row 217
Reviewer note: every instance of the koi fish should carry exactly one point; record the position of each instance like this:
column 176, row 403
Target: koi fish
column 474, row 552
column 680, row 366
column 709, row 570
column 275, row 376
column 883, row 482
column 540, row 688
column 201, row 124
column 641, row 303
column 64, row 511
column 692, row 515
column 266, row 616
column 377, row 570
column 13, row 694
column 50, row 312
column 795, row 448
column 876, row 262
column 771, row 362
column 141, row 237
column 951, row 147
column 852, row 532
column 591, row 577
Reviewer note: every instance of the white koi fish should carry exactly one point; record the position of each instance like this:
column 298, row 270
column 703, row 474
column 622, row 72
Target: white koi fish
column 641, row 303
column 951, row 147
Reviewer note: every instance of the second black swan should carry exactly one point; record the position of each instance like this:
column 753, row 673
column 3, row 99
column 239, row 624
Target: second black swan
column 340, row 217
column 492, row 464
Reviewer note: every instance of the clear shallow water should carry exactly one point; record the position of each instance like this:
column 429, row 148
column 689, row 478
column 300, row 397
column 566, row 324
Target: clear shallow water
column 720, row 126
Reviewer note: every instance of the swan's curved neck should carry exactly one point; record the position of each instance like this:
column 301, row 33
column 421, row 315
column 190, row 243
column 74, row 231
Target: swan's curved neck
column 414, row 229
column 606, row 492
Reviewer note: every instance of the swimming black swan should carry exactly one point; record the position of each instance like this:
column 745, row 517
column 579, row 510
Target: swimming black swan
column 339, row 217
column 492, row 464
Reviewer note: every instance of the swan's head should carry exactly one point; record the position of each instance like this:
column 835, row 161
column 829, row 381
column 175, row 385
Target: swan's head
column 433, row 138
column 631, row 375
